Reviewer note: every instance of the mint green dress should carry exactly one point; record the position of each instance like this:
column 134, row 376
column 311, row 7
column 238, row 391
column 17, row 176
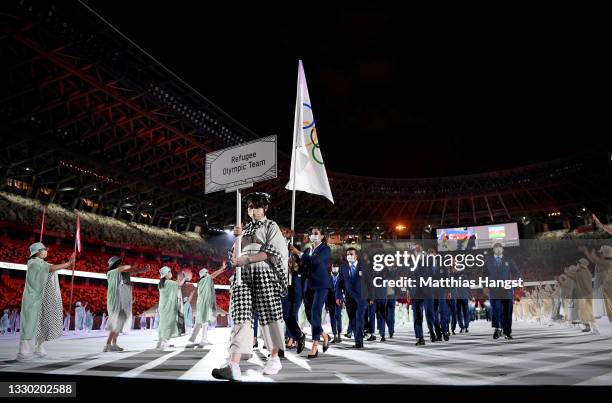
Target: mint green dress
column 118, row 302
column 207, row 301
column 168, row 310
column 41, row 305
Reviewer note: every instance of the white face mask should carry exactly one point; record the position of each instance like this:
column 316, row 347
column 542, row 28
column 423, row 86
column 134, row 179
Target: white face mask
column 315, row 238
column 350, row 258
column 335, row 269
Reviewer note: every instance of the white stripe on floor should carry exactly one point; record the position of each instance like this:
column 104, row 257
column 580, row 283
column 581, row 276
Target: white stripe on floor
column 85, row 365
column 133, row 373
column 202, row 370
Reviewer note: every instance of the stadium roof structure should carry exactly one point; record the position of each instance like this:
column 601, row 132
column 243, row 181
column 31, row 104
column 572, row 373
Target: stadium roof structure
column 87, row 115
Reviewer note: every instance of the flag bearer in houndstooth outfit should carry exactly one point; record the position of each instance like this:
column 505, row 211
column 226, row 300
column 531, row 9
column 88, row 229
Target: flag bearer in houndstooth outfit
column 264, row 267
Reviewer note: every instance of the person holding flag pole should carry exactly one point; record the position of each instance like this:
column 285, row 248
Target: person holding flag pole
column 308, row 172
column 41, row 305
column 264, row 267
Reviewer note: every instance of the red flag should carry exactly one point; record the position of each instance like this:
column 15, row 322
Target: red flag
column 42, row 225
column 78, row 235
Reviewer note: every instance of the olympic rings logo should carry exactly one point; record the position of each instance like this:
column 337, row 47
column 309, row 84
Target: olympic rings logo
column 314, row 141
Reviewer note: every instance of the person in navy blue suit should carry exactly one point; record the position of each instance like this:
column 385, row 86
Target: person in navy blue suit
column 352, row 288
column 441, row 297
column 422, row 299
column 500, row 267
column 369, row 320
column 314, row 261
column 385, row 304
column 462, row 296
column 295, row 296
column 336, row 317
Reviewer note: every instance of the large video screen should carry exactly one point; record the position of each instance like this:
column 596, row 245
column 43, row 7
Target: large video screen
column 478, row 237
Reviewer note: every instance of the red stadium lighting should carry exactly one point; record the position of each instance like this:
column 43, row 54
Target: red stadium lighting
column 400, row 227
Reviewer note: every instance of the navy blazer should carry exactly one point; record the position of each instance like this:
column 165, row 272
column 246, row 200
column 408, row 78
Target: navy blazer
column 351, row 287
column 506, row 270
column 379, row 292
column 334, row 283
column 316, row 266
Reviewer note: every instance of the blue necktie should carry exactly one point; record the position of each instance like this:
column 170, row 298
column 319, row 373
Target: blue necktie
column 352, row 270
column 498, row 261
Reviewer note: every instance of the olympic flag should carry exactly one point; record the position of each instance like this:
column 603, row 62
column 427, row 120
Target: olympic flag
column 307, row 168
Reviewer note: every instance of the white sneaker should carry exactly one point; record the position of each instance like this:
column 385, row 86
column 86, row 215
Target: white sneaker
column 25, row 352
column 273, row 366
column 40, row 351
column 107, row 348
column 161, row 345
column 24, row 357
column 115, row 347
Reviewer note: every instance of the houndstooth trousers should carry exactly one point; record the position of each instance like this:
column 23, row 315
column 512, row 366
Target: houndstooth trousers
column 259, row 293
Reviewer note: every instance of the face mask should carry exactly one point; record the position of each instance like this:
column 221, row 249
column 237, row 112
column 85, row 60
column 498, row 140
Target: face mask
column 350, row 258
column 315, row 238
column 334, row 270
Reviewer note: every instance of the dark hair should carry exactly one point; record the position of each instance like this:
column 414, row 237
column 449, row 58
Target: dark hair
column 260, row 200
column 350, row 248
column 125, row 276
column 162, row 283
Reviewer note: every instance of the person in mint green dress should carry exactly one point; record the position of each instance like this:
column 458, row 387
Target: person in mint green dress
column 188, row 312
column 206, row 306
column 41, row 305
column 169, row 302
column 119, row 300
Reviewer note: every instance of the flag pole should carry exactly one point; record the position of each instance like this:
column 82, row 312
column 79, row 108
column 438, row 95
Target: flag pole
column 239, row 243
column 76, row 239
column 42, row 225
column 297, row 127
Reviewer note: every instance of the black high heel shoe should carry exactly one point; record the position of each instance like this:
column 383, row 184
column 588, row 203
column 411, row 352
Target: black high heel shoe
column 301, row 343
column 315, row 355
column 326, row 345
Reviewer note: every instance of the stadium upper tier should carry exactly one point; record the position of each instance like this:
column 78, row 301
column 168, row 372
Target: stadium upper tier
column 90, row 121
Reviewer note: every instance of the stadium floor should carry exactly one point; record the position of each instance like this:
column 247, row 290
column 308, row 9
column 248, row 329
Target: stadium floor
column 538, row 355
